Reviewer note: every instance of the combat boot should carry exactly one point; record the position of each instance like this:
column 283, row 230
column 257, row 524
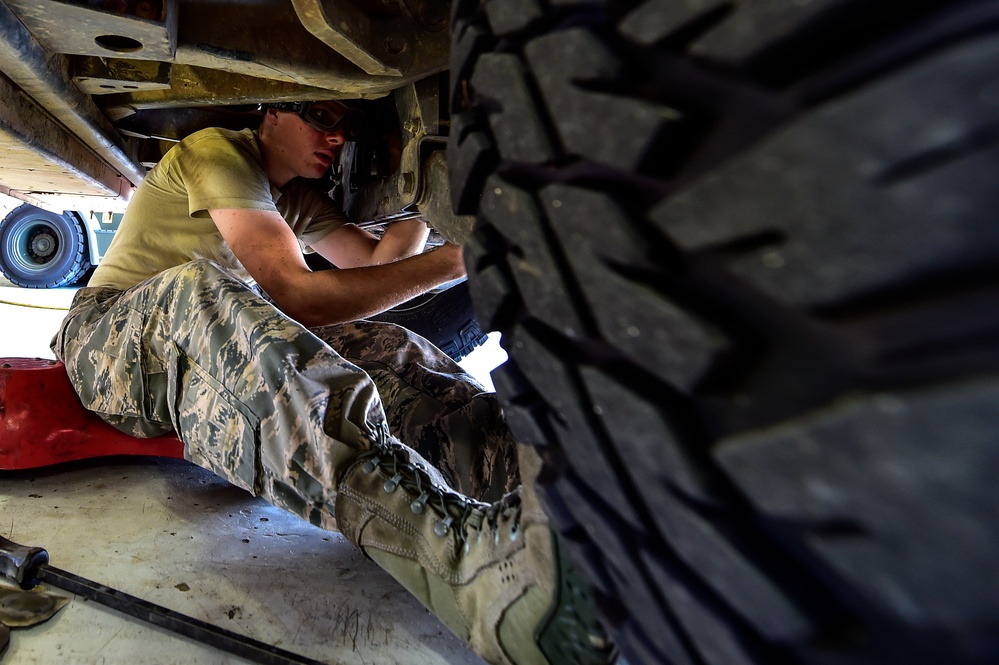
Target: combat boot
column 495, row 574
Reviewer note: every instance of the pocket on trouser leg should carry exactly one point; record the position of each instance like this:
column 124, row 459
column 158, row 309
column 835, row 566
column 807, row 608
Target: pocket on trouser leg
column 106, row 372
column 218, row 431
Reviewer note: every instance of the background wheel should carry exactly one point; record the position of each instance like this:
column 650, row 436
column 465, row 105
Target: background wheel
column 41, row 249
column 744, row 259
column 444, row 317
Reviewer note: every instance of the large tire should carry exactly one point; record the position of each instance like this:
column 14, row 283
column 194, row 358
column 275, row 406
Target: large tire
column 41, row 249
column 745, row 260
column 445, row 317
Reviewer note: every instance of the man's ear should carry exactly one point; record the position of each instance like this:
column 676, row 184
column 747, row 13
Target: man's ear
column 269, row 120
column 270, row 116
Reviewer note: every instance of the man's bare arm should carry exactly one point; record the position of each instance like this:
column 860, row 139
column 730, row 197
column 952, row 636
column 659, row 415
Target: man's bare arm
column 268, row 249
column 352, row 247
column 401, row 239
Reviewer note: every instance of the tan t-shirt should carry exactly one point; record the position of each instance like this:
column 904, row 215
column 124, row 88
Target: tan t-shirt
column 167, row 223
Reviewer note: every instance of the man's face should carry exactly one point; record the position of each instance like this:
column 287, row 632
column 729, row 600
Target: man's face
column 308, row 150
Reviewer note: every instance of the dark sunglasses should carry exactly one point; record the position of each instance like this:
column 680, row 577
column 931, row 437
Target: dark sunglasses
column 324, row 118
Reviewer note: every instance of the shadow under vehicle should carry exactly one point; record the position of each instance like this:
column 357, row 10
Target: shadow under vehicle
column 743, row 256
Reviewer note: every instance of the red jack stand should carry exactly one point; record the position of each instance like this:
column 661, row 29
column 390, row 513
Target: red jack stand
column 42, row 421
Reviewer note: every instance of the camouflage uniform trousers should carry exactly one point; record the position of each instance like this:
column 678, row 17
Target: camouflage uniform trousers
column 269, row 404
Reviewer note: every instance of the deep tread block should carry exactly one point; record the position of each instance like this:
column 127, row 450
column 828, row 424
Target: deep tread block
column 626, row 416
column 755, row 26
column 469, row 39
column 522, row 407
column 718, row 643
column 586, row 118
column 501, row 80
column 509, row 16
column 655, row 20
column 491, row 289
column 636, row 592
column 910, row 517
column 516, row 213
column 818, row 184
column 694, row 539
column 655, row 333
column 471, row 156
column 548, row 375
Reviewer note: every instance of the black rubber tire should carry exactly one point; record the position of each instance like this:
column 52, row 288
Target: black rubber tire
column 444, row 317
column 745, row 261
column 41, row 249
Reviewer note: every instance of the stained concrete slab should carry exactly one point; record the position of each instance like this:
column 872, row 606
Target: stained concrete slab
column 179, row 536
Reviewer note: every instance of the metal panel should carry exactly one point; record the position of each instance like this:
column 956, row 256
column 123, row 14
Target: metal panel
column 195, row 86
column 105, row 76
column 352, row 34
column 270, row 42
column 38, row 155
column 42, row 77
column 79, row 29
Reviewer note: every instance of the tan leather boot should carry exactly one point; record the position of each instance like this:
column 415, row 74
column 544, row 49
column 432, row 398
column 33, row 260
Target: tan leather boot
column 494, row 574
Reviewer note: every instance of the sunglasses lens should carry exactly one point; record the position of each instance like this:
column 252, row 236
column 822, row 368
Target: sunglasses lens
column 328, row 120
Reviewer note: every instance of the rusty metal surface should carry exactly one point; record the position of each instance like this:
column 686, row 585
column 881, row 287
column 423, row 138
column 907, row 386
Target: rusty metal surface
column 198, row 86
column 418, row 107
column 353, row 34
column 94, row 71
column 270, row 42
column 37, row 155
column 435, row 202
column 40, row 75
column 105, row 76
column 80, row 29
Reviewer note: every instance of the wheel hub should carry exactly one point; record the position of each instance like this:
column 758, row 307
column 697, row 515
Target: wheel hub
column 42, row 245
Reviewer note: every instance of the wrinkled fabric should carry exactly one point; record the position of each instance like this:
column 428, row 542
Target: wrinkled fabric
column 433, row 406
column 269, row 404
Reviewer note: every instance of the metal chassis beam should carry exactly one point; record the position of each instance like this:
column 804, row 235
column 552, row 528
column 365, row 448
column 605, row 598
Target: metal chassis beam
column 43, row 77
column 34, row 131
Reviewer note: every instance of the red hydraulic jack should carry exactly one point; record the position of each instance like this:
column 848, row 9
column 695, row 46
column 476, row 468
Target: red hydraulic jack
column 42, row 421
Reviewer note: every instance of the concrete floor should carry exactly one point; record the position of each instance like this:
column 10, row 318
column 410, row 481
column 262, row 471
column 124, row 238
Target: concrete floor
column 178, row 536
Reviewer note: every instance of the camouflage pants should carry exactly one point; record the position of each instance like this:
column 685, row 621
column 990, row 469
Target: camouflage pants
column 269, row 405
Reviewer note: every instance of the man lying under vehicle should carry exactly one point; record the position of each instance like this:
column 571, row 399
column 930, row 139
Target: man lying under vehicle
column 350, row 424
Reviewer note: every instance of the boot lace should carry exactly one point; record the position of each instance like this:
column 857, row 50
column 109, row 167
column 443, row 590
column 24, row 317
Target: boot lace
column 467, row 518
